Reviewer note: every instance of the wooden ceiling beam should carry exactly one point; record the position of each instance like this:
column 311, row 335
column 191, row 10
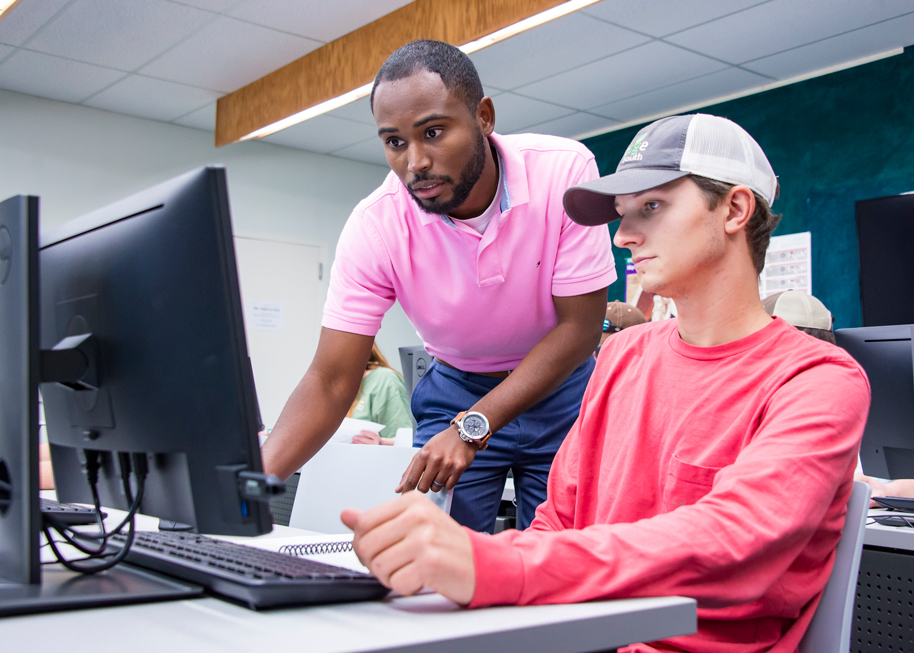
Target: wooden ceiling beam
column 353, row 60
column 9, row 6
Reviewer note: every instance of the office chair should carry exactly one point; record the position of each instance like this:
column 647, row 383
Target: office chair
column 830, row 629
column 350, row 476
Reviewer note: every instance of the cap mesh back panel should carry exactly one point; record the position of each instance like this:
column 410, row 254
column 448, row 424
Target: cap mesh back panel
column 721, row 150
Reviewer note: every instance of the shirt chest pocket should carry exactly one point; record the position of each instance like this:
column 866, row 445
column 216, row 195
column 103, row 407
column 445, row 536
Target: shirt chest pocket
column 686, row 483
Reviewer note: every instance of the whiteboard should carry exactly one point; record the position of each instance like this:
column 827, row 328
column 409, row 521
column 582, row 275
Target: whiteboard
column 282, row 294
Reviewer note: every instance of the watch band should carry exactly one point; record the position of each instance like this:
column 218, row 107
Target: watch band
column 481, row 444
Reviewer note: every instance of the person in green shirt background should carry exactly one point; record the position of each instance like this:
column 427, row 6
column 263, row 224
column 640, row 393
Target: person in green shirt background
column 382, row 399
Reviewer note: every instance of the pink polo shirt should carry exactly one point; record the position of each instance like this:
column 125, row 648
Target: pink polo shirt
column 480, row 302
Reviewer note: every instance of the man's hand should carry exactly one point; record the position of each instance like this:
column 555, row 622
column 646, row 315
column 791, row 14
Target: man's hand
column 410, row 544
column 439, row 464
column 878, row 488
column 370, row 437
column 902, row 487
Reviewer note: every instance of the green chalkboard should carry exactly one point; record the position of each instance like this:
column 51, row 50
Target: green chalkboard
column 832, row 140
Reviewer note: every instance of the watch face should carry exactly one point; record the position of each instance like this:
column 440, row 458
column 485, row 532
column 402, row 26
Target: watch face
column 475, row 426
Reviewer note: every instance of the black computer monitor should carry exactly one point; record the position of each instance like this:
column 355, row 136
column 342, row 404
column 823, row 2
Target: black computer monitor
column 885, row 241
column 19, row 360
column 131, row 319
column 24, row 587
column 887, row 355
column 147, row 289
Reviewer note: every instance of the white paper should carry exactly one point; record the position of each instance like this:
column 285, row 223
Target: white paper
column 352, row 427
column 403, row 437
column 788, row 265
column 266, row 316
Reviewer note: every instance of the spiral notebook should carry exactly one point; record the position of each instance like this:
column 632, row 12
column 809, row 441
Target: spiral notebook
column 331, row 549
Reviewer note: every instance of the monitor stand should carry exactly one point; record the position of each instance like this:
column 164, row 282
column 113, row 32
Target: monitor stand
column 62, row 589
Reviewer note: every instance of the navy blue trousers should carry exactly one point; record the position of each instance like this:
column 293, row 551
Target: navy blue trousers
column 526, row 445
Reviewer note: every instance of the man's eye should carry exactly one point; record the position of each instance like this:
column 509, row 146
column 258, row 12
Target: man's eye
column 652, row 206
column 433, row 132
column 394, row 142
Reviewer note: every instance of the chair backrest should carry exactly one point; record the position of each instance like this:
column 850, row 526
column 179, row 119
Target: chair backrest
column 830, row 629
column 350, row 476
column 281, row 506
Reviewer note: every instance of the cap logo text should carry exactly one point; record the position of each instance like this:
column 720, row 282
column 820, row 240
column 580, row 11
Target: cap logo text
column 634, row 150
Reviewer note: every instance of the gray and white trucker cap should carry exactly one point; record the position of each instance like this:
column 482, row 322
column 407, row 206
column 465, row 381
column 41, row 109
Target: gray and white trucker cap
column 670, row 148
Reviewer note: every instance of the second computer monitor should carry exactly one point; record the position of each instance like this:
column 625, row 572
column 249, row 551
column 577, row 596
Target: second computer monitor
column 887, row 356
column 147, row 290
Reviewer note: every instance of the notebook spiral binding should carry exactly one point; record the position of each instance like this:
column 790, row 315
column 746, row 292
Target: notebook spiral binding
column 318, row 548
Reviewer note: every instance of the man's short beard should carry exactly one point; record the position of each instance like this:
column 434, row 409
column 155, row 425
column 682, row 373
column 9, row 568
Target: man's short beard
column 468, row 178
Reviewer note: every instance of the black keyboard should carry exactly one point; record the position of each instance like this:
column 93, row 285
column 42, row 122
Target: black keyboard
column 255, row 577
column 68, row 513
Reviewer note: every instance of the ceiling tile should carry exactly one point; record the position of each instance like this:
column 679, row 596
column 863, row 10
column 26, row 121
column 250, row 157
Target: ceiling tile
column 574, row 126
column 5, row 50
column 215, row 6
column 358, row 111
column 212, row 58
column 151, row 98
column 27, row 18
column 514, row 113
column 54, row 78
column 635, row 71
column 702, row 90
column 858, row 44
column 784, row 24
column 369, row 151
column 203, row 118
column 321, row 21
column 662, row 17
column 543, row 51
column 323, row 134
column 122, row 35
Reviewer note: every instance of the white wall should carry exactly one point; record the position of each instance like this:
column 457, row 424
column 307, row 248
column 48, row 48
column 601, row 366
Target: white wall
column 77, row 159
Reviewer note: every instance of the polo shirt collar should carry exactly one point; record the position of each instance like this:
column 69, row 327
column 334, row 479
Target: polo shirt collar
column 517, row 190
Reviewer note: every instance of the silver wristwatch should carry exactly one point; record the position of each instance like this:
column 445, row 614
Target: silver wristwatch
column 473, row 428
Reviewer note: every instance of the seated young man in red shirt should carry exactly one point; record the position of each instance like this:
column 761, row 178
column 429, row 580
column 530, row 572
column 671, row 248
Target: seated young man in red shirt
column 714, row 453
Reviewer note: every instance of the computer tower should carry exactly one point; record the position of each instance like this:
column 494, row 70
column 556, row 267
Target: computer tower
column 414, row 361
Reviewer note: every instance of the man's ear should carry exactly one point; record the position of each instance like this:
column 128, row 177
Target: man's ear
column 485, row 116
column 741, row 204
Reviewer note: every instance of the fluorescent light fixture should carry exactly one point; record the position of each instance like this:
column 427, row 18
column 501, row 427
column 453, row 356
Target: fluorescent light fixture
column 311, row 112
column 6, row 5
column 528, row 23
column 473, row 46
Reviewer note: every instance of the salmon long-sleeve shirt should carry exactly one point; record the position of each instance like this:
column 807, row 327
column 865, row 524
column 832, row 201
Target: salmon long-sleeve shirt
column 719, row 473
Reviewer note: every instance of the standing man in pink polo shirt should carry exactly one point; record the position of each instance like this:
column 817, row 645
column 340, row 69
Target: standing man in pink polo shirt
column 468, row 232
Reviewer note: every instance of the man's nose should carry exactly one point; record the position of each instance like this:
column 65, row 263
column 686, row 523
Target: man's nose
column 626, row 236
column 419, row 160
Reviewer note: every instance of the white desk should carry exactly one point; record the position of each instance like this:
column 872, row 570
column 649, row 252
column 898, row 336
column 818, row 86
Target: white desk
column 393, row 624
column 420, row 623
column 889, row 537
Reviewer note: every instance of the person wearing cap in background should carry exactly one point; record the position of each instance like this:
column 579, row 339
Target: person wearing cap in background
column 803, row 311
column 619, row 315
column 723, row 476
